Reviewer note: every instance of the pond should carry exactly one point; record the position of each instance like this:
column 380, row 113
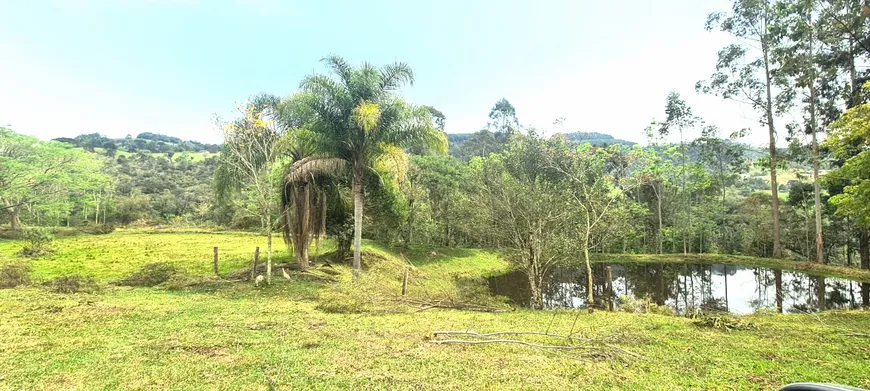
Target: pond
column 690, row 287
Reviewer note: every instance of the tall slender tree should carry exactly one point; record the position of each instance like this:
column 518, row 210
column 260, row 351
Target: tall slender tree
column 745, row 72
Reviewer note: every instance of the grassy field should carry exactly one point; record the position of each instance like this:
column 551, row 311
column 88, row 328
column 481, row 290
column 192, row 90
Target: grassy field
column 310, row 333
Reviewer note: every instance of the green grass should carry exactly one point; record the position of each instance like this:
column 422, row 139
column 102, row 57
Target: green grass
column 222, row 338
column 808, row 267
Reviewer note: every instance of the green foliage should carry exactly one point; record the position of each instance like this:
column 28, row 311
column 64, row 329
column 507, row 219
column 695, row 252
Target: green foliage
column 850, row 141
column 39, row 239
column 14, row 274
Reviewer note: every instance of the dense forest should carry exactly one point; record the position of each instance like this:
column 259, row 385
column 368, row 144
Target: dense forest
column 346, row 157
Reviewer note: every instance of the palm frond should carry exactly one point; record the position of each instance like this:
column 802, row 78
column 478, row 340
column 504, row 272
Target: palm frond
column 396, row 75
column 340, row 66
column 315, row 166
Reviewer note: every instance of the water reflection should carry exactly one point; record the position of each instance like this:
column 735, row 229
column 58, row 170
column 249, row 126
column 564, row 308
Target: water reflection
column 691, row 287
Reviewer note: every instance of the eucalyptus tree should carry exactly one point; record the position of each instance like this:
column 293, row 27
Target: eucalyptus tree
column 725, row 162
column 503, row 120
column 246, row 164
column 679, row 118
column 799, row 58
column 360, row 119
column 746, row 73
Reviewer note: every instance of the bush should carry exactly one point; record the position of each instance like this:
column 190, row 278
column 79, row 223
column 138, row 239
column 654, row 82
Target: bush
column 99, row 229
column 72, row 284
column 645, row 305
column 724, row 323
column 39, row 239
column 152, row 274
column 14, row 274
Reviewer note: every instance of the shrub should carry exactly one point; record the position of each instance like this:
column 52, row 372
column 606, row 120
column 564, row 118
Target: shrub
column 39, row 239
column 99, row 229
column 72, row 284
column 14, row 274
column 645, row 305
column 151, row 274
column 724, row 323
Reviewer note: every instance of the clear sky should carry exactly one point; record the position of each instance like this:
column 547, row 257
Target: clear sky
column 124, row 67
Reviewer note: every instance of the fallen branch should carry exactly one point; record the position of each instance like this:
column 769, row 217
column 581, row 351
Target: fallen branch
column 858, row 335
column 534, row 345
column 426, row 305
column 484, row 335
column 269, row 379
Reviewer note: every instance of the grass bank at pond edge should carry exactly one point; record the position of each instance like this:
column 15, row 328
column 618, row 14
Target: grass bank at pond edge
column 803, row 266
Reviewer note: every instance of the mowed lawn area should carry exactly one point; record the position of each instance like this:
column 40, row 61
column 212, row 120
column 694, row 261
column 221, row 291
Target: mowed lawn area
column 323, row 331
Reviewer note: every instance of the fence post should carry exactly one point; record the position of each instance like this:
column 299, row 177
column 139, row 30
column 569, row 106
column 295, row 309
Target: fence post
column 405, row 282
column 256, row 261
column 216, row 261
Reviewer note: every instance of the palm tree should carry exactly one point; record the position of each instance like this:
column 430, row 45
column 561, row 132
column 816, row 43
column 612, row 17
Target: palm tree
column 360, row 119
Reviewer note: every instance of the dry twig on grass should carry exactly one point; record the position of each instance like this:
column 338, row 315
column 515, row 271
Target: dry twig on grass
column 269, row 380
column 534, row 345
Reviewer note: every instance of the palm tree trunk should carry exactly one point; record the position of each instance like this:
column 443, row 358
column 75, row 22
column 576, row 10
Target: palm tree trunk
column 302, row 241
column 357, row 222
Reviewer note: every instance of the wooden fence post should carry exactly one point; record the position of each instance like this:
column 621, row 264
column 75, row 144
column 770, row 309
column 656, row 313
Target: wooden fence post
column 216, row 261
column 405, row 282
column 256, row 261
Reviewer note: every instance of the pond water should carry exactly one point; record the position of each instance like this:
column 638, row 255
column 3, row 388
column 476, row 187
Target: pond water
column 689, row 287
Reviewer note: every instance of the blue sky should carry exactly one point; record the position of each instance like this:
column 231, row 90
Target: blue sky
column 125, row 67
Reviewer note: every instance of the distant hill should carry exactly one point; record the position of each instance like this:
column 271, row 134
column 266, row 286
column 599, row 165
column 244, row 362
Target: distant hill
column 594, row 138
column 144, row 142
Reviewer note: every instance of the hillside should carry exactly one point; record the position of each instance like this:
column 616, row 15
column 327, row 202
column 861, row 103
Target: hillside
column 143, row 142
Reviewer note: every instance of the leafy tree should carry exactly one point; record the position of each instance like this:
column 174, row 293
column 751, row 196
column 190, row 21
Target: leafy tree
column 247, row 162
column 33, row 172
column 503, row 120
column 594, row 192
column 850, row 140
column 360, row 119
column 525, row 207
